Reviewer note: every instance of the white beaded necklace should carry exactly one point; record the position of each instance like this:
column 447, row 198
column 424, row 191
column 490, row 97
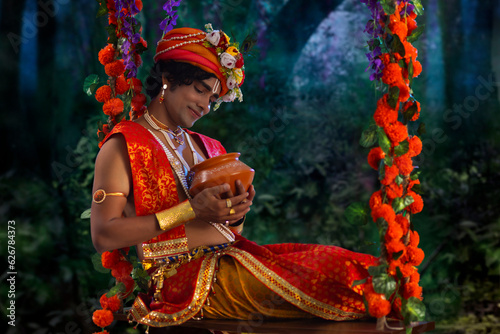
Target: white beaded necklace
column 171, row 144
column 176, row 166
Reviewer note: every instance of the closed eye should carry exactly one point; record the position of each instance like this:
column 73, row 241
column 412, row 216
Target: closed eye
column 209, row 90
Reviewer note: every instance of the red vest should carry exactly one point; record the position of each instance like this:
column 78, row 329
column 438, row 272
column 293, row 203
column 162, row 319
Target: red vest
column 154, row 184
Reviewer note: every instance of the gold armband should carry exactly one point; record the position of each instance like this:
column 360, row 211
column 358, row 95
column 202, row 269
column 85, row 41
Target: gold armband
column 100, row 195
column 175, row 216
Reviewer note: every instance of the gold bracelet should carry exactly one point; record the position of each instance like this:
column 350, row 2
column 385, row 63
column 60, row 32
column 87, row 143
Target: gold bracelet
column 238, row 226
column 175, row 216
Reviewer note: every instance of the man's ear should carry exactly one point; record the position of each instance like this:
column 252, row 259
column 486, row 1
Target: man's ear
column 165, row 81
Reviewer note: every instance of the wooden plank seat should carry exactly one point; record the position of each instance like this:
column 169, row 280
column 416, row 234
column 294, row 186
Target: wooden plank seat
column 295, row 326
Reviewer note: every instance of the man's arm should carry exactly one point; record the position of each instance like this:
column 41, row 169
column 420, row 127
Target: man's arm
column 109, row 229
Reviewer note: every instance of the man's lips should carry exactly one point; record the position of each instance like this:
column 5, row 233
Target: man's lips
column 195, row 113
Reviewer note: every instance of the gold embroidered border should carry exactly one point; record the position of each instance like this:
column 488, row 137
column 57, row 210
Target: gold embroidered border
column 165, row 248
column 287, row 291
column 140, row 313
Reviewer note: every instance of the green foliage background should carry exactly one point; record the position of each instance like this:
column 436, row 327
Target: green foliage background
column 307, row 100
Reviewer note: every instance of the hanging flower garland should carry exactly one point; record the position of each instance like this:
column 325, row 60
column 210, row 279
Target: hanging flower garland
column 392, row 289
column 121, row 94
column 121, row 58
column 128, row 279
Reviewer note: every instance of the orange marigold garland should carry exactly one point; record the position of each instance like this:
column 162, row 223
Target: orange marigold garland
column 120, row 61
column 102, row 318
column 122, row 88
column 115, row 68
column 121, row 95
column 103, row 94
column 110, row 259
column 120, row 263
column 113, row 303
column 375, row 156
column 107, row 55
column 393, row 285
column 113, row 107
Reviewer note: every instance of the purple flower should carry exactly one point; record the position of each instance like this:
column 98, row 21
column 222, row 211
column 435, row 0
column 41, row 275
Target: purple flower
column 407, row 10
column 168, row 6
column 374, row 30
column 133, row 8
column 376, row 66
column 171, row 20
column 127, row 28
column 128, row 23
column 126, row 46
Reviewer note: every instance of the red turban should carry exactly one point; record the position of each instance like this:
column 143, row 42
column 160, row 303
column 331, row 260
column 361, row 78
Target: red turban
column 192, row 46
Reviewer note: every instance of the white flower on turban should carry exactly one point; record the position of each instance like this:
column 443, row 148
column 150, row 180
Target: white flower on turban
column 227, row 60
column 214, row 37
column 229, row 97
column 231, row 82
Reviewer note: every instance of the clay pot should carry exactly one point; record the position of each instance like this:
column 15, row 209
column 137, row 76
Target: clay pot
column 226, row 168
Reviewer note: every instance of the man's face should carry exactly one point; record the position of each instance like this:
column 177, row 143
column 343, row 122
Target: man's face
column 188, row 103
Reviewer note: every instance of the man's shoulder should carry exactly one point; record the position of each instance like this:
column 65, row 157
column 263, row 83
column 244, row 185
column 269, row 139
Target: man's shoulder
column 203, row 137
column 213, row 146
column 125, row 126
column 130, row 130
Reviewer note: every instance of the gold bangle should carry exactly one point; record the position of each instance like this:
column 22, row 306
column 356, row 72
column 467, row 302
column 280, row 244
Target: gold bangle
column 238, row 226
column 175, row 216
column 239, row 222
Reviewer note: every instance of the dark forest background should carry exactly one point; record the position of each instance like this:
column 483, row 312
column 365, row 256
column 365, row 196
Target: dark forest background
column 307, row 100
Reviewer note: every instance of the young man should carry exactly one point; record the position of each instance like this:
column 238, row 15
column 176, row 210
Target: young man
column 141, row 198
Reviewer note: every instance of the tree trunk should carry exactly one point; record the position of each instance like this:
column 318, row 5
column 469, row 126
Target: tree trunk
column 468, row 57
column 10, row 27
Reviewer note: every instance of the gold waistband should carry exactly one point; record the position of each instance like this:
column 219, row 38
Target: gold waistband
column 163, row 249
column 184, row 257
column 167, row 267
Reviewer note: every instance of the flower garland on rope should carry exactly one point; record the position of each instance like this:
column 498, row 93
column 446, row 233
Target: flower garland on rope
column 121, row 58
column 392, row 289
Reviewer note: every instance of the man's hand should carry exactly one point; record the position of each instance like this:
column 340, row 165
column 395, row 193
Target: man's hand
column 208, row 205
column 240, row 190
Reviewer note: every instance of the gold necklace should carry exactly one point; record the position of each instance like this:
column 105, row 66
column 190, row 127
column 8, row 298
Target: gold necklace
column 177, row 134
column 176, row 166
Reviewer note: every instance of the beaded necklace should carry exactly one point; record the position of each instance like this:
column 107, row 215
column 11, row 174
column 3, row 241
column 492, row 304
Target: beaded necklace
column 177, row 134
column 178, row 161
column 179, row 171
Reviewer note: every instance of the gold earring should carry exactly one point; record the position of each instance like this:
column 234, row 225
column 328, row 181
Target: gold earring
column 163, row 93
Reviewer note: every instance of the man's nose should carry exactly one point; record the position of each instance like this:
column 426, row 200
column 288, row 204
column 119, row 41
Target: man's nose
column 204, row 104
